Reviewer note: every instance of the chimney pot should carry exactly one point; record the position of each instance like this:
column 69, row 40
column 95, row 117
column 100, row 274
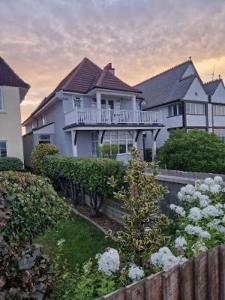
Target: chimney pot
column 109, row 68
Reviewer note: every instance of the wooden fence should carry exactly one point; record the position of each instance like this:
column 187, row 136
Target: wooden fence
column 201, row 278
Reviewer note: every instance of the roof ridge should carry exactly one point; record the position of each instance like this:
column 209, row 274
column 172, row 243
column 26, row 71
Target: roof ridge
column 212, row 81
column 165, row 71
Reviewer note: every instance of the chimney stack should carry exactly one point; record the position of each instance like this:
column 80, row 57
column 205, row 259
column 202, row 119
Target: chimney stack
column 109, row 68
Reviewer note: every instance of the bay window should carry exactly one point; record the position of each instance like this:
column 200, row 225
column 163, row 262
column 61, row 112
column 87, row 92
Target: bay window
column 174, row 110
column 219, row 110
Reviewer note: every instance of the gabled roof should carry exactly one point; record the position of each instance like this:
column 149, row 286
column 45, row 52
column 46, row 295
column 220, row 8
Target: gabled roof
column 211, row 86
column 9, row 78
column 85, row 77
column 167, row 86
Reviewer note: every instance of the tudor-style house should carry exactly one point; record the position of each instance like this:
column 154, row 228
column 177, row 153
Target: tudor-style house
column 186, row 102
column 12, row 92
column 90, row 107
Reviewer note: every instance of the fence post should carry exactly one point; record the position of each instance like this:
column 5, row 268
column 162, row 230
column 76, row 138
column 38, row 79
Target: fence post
column 201, row 277
column 187, row 281
column 135, row 291
column 213, row 274
column 171, row 284
column 222, row 271
column 153, row 287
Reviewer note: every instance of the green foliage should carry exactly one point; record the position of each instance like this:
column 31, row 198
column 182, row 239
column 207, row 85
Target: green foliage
column 38, row 154
column 35, row 206
column 24, row 270
column 107, row 151
column 143, row 224
column 195, row 151
column 89, row 175
column 10, row 164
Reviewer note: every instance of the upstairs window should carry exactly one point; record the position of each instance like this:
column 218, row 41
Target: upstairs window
column 195, row 108
column 76, row 102
column 219, row 110
column 3, row 149
column 175, row 110
column 1, row 100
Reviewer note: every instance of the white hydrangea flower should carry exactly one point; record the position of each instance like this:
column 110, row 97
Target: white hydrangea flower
column 135, row 273
column 165, row 259
column 195, row 214
column 203, row 187
column 215, row 188
column 204, row 201
column 205, row 234
column 109, row 261
column 209, row 181
column 198, row 248
column 180, row 242
column 214, row 224
column 178, row 209
column 197, row 195
column 197, row 230
column 218, row 179
column 211, row 211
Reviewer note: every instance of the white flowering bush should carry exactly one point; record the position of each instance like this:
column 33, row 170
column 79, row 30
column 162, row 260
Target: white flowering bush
column 135, row 273
column 109, row 261
column 201, row 216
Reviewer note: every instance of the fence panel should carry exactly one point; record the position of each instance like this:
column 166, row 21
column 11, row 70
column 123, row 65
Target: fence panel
column 186, row 281
column 201, row 277
column 153, row 287
column 213, row 274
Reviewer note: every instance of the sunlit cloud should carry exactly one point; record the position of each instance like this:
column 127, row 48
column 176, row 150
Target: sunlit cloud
column 43, row 40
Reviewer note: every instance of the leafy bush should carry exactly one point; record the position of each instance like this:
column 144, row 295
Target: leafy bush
column 108, row 151
column 86, row 175
column 24, row 270
column 143, row 223
column 38, row 154
column 10, row 164
column 35, row 206
column 195, row 151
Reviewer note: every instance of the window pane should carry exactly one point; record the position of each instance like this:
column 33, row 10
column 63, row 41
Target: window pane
column 1, row 99
column 3, row 149
column 44, row 139
column 195, row 108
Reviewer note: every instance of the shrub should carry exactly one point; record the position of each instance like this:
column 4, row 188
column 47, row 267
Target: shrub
column 24, row 270
column 90, row 175
column 35, row 206
column 195, row 151
column 38, row 154
column 143, row 223
column 10, row 164
column 108, row 151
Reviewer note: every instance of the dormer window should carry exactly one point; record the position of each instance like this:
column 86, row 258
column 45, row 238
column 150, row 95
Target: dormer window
column 1, row 101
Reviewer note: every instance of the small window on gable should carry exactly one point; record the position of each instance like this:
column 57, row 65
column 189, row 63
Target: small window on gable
column 1, row 100
column 3, row 149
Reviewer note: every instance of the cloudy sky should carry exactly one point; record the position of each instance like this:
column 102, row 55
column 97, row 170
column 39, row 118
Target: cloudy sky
column 44, row 39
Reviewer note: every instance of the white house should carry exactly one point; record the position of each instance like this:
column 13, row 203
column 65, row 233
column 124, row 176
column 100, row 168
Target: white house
column 12, row 92
column 90, row 107
column 186, row 102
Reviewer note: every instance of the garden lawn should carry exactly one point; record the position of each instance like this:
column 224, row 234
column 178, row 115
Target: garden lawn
column 82, row 241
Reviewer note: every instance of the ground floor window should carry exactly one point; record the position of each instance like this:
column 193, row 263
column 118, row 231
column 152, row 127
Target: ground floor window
column 220, row 132
column 3, row 149
column 44, row 139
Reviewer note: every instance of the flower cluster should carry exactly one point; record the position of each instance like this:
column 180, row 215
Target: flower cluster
column 135, row 273
column 165, row 259
column 109, row 261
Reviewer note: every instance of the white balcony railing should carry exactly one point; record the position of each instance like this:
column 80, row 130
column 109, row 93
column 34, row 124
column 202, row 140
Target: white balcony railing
column 89, row 116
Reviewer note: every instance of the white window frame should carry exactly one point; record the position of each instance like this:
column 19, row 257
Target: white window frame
column 2, row 104
column 6, row 148
column 218, row 110
column 77, row 100
column 197, row 109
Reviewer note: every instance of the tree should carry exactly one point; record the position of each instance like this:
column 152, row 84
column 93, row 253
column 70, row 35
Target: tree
column 195, row 151
column 143, row 223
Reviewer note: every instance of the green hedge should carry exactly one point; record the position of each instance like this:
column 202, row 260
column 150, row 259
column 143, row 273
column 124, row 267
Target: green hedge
column 196, row 151
column 35, row 205
column 86, row 175
column 10, row 164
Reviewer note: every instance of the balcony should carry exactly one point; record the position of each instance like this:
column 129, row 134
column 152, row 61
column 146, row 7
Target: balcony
column 93, row 116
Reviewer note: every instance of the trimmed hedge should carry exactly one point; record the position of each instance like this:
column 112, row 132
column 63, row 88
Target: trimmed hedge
column 38, row 154
column 35, row 205
column 10, row 164
column 85, row 175
column 194, row 151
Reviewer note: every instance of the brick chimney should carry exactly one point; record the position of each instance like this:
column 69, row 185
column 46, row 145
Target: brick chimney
column 109, row 68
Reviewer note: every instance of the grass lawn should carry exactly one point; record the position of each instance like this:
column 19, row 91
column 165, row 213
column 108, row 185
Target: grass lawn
column 82, row 241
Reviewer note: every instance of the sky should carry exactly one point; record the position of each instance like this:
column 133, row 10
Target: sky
column 45, row 39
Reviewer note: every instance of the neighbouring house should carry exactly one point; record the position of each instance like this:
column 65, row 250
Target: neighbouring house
column 186, row 102
column 90, row 107
column 12, row 92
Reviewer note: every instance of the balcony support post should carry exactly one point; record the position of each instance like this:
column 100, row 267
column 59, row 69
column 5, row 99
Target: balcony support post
column 74, row 135
column 155, row 133
column 134, row 108
column 98, row 102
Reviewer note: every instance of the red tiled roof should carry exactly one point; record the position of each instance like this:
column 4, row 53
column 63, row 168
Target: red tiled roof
column 85, row 77
column 9, row 78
